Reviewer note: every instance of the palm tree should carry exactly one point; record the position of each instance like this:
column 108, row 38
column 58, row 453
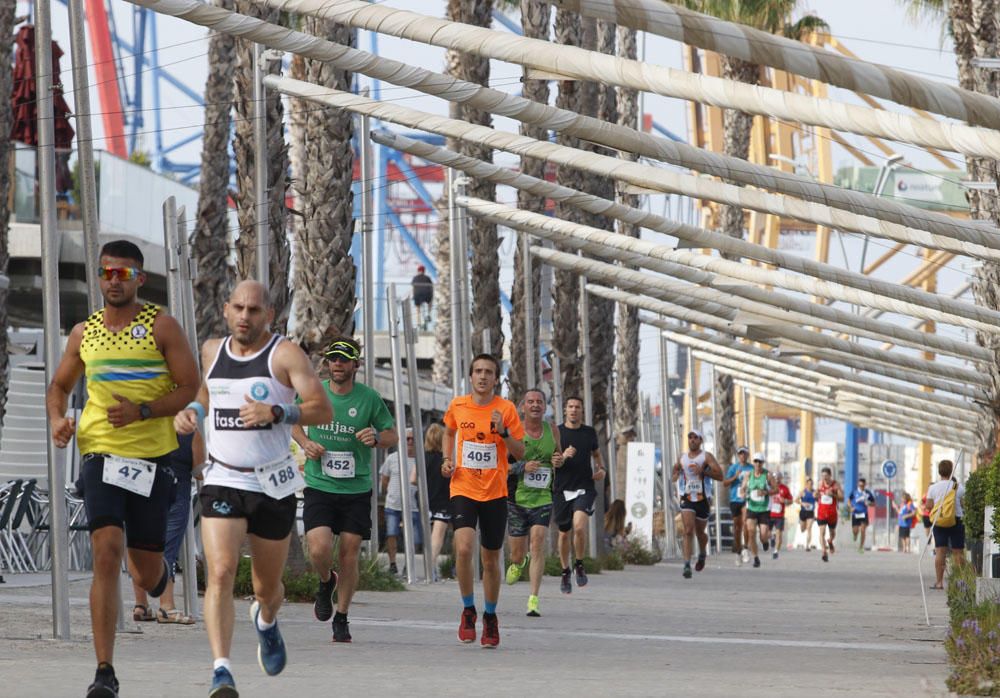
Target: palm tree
column 324, row 268
column 210, row 238
column 627, row 326
column 535, row 18
column 277, row 154
column 972, row 25
column 7, row 12
column 772, row 16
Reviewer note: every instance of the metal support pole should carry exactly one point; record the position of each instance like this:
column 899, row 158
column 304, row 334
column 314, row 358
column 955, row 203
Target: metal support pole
column 715, row 483
column 588, row 397
column 531, row 351
column 367, row 259
column 692, row 392
column 666, row 448
column 412, row 381
column 557, row 398
column 465, row 291
column 58, row 526
column 399, row 402
column 746, row 419
column 454, row 287
column 261, row 212
column 612, row 447
column 85, row 151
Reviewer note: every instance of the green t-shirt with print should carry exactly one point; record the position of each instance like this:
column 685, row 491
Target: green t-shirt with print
column 535, row 489
column 346, row 467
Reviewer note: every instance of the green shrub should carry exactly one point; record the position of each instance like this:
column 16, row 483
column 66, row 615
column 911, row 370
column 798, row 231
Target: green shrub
column 635, row 552
column 446, row 568
column 973, row 640
column 993, row 494
column 974, row 503
column 613, row 561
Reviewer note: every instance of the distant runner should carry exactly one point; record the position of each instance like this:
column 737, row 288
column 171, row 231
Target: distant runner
column 860, row 499
column 736, row 481
column 806, row 500
column 778, row 503
column 829, row 493
column 760, row 487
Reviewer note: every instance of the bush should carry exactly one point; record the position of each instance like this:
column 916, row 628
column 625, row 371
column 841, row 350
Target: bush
column 635, row 552
column 973, row 641
column 974, row 503
column 446, row 568
column 613, row 561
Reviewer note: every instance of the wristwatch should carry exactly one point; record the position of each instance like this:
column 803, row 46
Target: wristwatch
column 145, row 411
column 278, row 412
column 505, row 433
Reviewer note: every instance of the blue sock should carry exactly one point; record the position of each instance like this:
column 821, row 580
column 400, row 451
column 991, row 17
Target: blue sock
column 490, row 607
column 469, row 601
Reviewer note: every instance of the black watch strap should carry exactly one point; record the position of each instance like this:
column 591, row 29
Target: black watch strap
column 278, row 412
column 145, row 411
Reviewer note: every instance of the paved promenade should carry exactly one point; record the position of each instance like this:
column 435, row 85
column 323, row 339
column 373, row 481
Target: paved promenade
column 794, row 627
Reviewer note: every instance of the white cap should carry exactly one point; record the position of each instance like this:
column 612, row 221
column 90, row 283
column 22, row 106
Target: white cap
column 743, row 449
column 696, row 433
column 759, row 456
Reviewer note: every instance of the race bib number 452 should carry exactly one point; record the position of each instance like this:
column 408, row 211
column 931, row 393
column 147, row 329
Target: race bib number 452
column 339, row 464
column 477, row 456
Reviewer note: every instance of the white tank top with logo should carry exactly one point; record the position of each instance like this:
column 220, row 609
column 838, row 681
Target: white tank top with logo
column 692, row 472
column 229, row 380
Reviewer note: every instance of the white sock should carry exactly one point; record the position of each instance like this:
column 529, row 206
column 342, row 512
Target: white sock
column 261, row 625
column 222, row 662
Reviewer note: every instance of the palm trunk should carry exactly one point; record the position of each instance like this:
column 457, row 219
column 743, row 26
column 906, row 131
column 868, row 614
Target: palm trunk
column 535, row 25
column 7, row 12
column 627, row 327
column 277, row 154
column 324, row 268
column 974, row 31
column 210, row 240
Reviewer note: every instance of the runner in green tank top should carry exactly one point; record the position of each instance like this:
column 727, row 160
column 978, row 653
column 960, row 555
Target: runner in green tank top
column 760, row 487
column 530, row 505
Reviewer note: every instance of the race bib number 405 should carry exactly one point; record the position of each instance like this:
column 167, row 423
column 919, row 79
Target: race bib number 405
column 338, row 464
column 477, row 456
column 130, row 474
column 281, row 478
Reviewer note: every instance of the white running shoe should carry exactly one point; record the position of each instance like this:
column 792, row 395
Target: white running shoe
column 739, row 561
column 745, row 555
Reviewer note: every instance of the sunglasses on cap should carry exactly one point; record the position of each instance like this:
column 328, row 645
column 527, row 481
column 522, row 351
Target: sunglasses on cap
column 123, row 273
column 341, row 350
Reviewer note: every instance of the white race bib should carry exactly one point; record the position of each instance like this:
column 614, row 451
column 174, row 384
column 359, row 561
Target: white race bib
column 826, row 499
column 807, row 506
column 776, row 508
column 280, row 478
column 130, row 474
column 338, row 464
column 694, row 487
column 757, row 495
column 540, row 479
column 477, row 456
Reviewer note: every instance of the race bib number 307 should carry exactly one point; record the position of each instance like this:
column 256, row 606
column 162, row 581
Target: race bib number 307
column 477, row 456
column 540, row 479
column 130, row 474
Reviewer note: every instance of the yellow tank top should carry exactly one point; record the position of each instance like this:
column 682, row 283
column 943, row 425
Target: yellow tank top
column 127, row 363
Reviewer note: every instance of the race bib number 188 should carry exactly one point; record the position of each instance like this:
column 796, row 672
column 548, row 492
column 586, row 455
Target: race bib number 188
column 280, row 479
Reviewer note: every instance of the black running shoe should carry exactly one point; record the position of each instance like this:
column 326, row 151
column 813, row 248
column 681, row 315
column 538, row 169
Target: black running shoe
column 105, row 684
column 581, row 575
column 565, row 586
column 687, row 570
column 756, row 561
column 341, row 629
column 826, row 558
column 766, row 545
column 699, row 564
column 323, row 605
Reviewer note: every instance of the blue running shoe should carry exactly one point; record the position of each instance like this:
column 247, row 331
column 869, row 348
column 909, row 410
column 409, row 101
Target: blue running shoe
column 271, row 653
column 223, row 685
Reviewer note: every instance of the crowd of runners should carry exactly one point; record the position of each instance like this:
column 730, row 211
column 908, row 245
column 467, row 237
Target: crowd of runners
column 494, row 473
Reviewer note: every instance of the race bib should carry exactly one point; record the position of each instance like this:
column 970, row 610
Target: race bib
column 338, row 464
column 280, row 478
column 826, row 499
column 807, row 506
column 479, row 456
column 860, row 514
column 694, row 487
column 757, row 495
column 130, row 474
column 777, row 508
column 540, row 479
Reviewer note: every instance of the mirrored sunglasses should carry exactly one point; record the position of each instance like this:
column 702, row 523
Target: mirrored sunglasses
column 123, row 273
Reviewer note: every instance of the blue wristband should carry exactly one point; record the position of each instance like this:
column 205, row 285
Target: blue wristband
column 198, row 408
column 292, row 413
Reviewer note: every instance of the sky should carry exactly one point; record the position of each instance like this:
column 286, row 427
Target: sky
column 875, row 30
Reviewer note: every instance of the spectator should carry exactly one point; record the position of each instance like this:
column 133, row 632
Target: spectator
column 390, row 485
column 615, row 530
column 423, row 296
column 438, row 490
column 946, row 537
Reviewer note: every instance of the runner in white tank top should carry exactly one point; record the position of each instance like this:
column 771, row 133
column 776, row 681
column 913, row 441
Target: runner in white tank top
column 693, row 471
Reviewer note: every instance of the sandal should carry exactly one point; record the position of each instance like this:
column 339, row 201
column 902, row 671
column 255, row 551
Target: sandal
column 174, row 615
column 142, row 613
column 935, row 586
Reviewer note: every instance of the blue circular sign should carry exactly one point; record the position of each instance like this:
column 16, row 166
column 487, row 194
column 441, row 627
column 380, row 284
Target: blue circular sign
column 889, row 468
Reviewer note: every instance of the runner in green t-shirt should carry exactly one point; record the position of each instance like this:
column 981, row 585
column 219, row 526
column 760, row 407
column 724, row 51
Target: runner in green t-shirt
column 530, row 507
column 760, row 487
column 338, row 491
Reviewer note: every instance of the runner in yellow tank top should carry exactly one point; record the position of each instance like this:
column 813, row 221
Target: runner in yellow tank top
column 140, row 372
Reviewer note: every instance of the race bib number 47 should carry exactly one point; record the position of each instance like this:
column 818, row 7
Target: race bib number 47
column 130, row 474
column 477, row 456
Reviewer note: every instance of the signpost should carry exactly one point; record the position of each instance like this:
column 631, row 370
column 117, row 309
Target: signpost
column 889, row 469
column 639, row 489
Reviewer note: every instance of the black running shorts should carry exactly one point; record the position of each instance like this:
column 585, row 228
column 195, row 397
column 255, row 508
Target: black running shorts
column 700, row 508
column 491, row 516
column 565, row 510
column 267, row 517
column 144, row 519
column 778, row 524
column 736, row 508
column 763, row 518
column 341, row 513
column 857, row 520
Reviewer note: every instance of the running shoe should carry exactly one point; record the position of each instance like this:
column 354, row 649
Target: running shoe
column 564, row 584
column 581, row 575
column 766, row 546
column 756, row 561
column 773, row 542
column 271, row 653
column 739, row 561
column 774, row 555
column 393, row 569
column 687, row 570
column 323, row 605
column 514, row 570
column 467, row 627
column 699, row 564
column 826, row 558
column 105, row 684
column 491, row 631
column 745, row 555
column 341, row 629
column 533, row 607
column 223, row 685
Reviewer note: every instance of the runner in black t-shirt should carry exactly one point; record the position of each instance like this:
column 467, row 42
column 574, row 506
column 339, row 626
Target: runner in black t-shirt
column 573, row 490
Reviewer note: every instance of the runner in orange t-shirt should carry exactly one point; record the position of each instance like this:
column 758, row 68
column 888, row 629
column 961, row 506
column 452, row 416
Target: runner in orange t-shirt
column 487, row 428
